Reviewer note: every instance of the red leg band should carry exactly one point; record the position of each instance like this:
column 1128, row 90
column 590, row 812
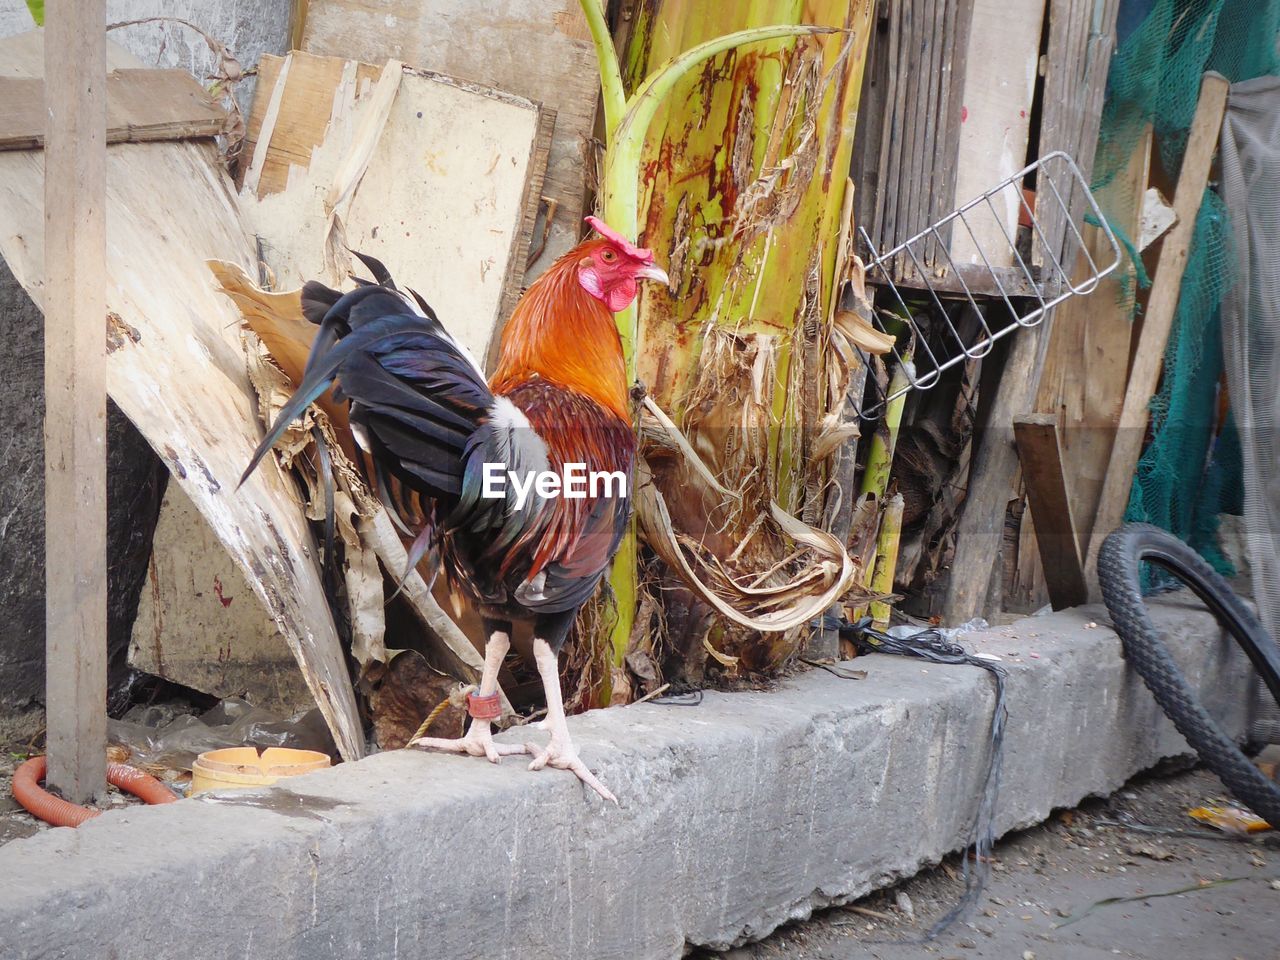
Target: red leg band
column 484, row 708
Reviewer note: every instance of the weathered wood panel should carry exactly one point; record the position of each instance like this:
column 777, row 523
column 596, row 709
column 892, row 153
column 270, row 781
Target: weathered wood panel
column 540, row 49
column 142, row 105
column 906, row 159
column 1085, row 371
column 199, row 622
column 176, row 367
column 445, row 201
column 1080, row 43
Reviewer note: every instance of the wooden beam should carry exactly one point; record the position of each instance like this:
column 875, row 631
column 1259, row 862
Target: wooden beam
column 1162, row 304
column 75, row 396
column 142, row 105
column 1044, row 474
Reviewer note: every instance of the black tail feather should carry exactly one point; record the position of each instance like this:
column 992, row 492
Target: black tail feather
column 380, row 273
column 317, row 299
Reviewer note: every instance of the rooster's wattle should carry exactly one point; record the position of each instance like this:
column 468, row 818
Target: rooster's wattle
column 523, row 480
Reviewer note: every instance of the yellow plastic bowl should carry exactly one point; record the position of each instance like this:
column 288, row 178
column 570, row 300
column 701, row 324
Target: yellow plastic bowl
column 236, row 768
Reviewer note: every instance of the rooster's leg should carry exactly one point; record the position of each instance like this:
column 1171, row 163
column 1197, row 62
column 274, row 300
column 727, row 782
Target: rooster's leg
column 479, row 739
column 560, row 752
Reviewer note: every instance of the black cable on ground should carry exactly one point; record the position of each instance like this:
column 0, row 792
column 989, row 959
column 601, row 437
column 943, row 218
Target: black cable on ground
column 932, row 646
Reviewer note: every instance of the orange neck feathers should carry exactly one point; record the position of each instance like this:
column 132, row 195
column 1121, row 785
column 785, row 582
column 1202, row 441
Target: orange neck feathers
column 562, row 334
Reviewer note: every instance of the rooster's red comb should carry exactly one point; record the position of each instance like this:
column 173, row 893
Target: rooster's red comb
column 629, row 248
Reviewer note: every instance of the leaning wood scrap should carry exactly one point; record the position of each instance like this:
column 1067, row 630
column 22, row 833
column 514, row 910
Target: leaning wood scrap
column 1044, row 471
column 141, row 105
column 176, row 367
column 1157, row 321
column 382, row 160
column 555, row 66
column 436, row 177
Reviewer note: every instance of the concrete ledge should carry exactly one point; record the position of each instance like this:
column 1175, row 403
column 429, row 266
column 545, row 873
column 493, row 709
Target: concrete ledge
column 736, row 816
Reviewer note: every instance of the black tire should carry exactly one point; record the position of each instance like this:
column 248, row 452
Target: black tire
column 1119, row 563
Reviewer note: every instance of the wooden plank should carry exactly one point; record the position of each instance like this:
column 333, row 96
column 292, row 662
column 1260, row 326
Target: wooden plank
column 1079, row 49
column 1045, row 476
column 999, row 85
column 974, row 278
column 74, row 250
column 539, row 49
column 1148, row 360
column 944, row 194
column 870, row 140
column 176, row 367
column 1086, row 369
column 142, row 105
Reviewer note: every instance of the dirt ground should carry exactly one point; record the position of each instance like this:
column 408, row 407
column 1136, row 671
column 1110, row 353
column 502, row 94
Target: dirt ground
column 1045, row 879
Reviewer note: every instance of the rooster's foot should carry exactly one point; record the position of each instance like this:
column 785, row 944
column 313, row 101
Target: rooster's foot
column 561, row 754
column 478, row 742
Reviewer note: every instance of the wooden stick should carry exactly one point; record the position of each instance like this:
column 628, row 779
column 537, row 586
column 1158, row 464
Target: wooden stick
column 1044, row 474
column 75, row 396
column 1148, row 360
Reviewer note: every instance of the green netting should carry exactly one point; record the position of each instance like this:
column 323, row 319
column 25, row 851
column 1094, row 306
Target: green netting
column 1190, row 470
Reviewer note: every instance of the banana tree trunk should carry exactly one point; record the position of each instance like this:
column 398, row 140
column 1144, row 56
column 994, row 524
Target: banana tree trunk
column 741, row 194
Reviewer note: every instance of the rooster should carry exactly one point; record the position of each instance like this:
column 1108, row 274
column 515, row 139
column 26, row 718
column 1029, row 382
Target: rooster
column 472, row 451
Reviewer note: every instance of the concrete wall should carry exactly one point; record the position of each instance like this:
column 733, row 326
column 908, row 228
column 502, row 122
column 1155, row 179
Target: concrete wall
column 135, row 483
column 735, row 816
column 249, row 28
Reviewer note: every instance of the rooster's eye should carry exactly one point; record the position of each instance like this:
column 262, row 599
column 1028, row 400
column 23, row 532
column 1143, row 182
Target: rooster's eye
column 609, row 256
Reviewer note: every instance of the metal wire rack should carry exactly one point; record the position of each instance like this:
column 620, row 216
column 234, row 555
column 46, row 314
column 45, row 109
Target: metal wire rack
column 1021, row 253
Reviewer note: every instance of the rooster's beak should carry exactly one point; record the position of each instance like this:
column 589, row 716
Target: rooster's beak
column 654, row 272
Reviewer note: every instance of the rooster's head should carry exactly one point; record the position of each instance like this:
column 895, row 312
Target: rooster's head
column 610, row 266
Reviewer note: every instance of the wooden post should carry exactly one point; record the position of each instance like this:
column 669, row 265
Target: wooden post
column 75, row 396
column 1045, row 476
column 1162, row 304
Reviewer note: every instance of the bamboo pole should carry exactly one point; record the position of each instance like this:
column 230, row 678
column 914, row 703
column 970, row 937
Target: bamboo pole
column 875, row 479
column 886, row 559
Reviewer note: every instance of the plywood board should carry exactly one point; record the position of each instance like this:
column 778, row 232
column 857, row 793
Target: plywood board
column 444, row 199
column 310, row 92
column 176, row 367
column 141, row 105
column 539, row 49
column 999, row 85
column 199, row 623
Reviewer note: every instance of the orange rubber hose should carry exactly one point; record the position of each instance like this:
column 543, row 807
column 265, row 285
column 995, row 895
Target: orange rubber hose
column 39, row 802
